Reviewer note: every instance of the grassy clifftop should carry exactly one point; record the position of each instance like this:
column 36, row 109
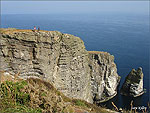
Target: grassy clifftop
column 14, row 30
column 36, row 95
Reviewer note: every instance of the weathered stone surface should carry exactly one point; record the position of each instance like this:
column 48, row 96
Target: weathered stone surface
column 104, row 76
column 60, row 58
column 133, row 85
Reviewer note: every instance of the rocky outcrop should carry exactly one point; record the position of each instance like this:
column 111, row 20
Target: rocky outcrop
column 104, row 76
column 133, row 85
column 62, row 59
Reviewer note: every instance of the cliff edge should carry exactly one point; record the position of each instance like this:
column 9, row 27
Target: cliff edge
column 62, row 60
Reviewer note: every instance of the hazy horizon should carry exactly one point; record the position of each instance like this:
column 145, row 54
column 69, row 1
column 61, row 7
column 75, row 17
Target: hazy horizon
column 49, row 7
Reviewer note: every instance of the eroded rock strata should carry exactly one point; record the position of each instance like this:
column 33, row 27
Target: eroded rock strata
column 63, row 60
column 133, row 85
column 104, row 77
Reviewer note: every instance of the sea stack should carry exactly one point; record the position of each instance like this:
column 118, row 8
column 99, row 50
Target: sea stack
column 133, row 85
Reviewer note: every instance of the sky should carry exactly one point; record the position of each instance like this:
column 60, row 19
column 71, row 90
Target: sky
column 48, row 7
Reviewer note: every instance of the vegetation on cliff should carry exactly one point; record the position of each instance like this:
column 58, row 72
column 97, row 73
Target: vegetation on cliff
column 35, row 95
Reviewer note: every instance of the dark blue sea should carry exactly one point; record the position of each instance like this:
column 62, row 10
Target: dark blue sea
column 126, row 36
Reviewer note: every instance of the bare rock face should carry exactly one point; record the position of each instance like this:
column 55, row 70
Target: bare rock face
column 104, row 77
column 61, row 59
column 133, row 85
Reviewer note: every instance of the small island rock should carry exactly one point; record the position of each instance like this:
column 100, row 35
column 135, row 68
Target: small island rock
column 133, row 85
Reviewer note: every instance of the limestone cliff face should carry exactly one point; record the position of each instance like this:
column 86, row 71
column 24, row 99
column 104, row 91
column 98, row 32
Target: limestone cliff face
column 133, row 85
column 60, row 58
column 104, row 77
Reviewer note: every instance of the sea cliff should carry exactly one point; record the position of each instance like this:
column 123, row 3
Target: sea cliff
column 62, row 60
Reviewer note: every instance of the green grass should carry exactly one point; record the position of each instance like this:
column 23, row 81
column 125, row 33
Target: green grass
column 17, row 97
column 13, row 99
column 21, row 109
column 80, row 103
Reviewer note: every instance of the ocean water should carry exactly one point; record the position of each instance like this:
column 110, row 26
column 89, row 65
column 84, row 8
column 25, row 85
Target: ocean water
column 125, row 36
